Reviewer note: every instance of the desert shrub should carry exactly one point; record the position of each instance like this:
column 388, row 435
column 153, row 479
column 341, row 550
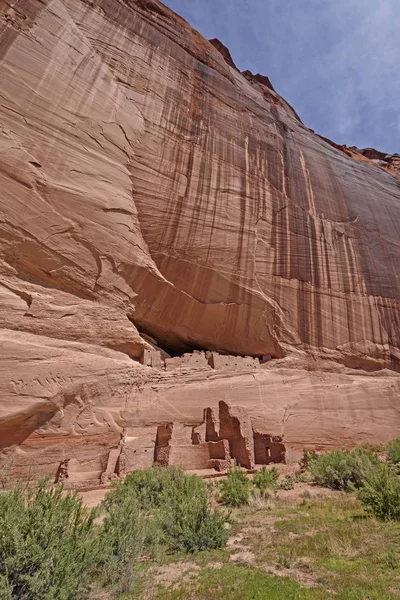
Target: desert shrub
column 307, row 458
column 343, row 469
column 393, row 451
column 170, row 509
column 150, row 487
column 48, row 544
column 213, row 492
column 303, row 477
column 124, row 533
column 373, row 447
column 235, row 489
column 188, row 523
column 380, row 493
column 262, row 500
column 266, row 479
column 287, row 483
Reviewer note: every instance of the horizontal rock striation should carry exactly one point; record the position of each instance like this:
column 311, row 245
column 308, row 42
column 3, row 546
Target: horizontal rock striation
column 149, row 190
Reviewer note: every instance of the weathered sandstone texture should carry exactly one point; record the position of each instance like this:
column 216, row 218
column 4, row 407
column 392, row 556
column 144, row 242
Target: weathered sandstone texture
column 155, row 201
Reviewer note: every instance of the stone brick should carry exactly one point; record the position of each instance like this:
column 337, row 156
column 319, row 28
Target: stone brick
column 137, row 451
column 268, row 449
column 231, row 363
column 152, row 358
column 219, row 450
column 193, row 457
column 195, row 360
column 235, row 426
column 111, row 468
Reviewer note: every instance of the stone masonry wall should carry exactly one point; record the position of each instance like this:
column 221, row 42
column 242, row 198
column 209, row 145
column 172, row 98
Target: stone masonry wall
column 235, row 426
column 226, row 362
column 268, row 449
column 198, row 359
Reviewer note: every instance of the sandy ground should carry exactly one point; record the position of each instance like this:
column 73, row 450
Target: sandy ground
column 93, row 497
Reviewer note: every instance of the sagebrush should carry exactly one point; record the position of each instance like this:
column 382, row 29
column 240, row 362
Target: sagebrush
column 286, row 483
column 48, row 544
column 176, row 510
column 393, row 451
column 266, row 479
column 52, row 549
column 235, row 489
column 380, row 493
column 343, row 469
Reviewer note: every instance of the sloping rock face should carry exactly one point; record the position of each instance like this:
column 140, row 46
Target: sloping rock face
column 148, row 187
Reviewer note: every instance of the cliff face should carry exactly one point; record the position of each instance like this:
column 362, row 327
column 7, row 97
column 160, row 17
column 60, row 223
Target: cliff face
column 148, row 187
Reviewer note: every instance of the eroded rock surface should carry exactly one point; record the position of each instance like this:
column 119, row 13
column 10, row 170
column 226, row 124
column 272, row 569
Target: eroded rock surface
column 149, row 190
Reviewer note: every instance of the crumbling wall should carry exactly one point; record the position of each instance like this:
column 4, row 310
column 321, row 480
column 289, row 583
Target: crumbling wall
column 173, row 440
column 211, row 445
column 152, row 358
column 83, row 472
column 198, row 359
column 268, row 449
column 137, row 449
column 77, row 474
column 220, row 457
column 228, row 363
column 207, row 431
column 186, row 446
column 199, row 433
column 195, row 360
column 219, row 450
column 190, row 457
column 110, row 472
column 212, row 425
column 235, row 426
column 164, row 433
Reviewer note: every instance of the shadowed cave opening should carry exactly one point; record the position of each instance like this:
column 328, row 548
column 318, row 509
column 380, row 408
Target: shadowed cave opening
column 170, row 349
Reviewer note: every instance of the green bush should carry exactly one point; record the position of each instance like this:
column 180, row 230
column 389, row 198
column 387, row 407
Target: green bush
column 124, row 534
column 393, row 451
column 188, row 523
column 307, row 458
column 343, row 469
column 287, row 483
column 303, row 477
column 171, row 510
column 266, row 479
column 380, row 493
column 48, row 545
column 151, row 488
column 235, row 489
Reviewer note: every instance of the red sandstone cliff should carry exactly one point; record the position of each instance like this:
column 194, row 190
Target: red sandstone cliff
column 148, row 187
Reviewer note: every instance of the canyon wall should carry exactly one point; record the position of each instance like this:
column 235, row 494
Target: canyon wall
column 151, row 194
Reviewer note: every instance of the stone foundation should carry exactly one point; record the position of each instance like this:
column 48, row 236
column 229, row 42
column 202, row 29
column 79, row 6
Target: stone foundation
column 219, row 440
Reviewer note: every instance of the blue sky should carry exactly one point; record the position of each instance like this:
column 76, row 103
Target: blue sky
column 336, row 61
